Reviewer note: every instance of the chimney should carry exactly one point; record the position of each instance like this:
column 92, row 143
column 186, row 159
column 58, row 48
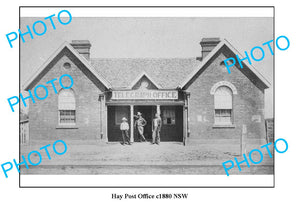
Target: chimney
column 208, row 44
column 83, row 47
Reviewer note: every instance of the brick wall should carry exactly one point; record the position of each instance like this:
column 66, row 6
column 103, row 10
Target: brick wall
column 248, row 105
column 43, row 115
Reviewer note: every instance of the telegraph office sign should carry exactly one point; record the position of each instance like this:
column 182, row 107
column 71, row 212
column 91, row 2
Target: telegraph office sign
column 145, row 94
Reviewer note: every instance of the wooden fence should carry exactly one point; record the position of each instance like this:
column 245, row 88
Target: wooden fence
column 24, row 132
column 270, row 130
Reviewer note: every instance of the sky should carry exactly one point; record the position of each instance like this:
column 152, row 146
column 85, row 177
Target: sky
column 150, row 38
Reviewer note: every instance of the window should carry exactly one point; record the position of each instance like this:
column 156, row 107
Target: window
column 223, row 116
column 67, row 66
column 168, row 116
column 121, row 112
column 67, row 116
column 67, row 107
column 223, row 106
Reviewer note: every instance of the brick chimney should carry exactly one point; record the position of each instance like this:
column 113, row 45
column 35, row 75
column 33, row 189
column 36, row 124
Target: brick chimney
column 208, row 44
column 83, row 47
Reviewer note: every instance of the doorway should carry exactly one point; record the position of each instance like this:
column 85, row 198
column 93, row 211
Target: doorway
column 172, row 121
column 115, row 115
column 148, row 113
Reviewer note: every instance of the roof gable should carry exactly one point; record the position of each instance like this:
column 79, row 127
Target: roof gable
column 143, row 77
column 165, row 73
column 41, row 71
column 210, row 56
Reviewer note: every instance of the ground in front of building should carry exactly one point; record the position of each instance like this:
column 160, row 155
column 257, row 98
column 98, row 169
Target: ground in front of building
column 143, row 158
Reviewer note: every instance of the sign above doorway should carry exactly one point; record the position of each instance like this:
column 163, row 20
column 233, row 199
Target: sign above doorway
column 145, row 94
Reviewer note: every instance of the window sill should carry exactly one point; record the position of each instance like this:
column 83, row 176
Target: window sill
column 223, row 126
column 66, row 126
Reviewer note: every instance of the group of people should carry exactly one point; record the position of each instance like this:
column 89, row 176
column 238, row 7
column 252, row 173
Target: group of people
column 139, row 124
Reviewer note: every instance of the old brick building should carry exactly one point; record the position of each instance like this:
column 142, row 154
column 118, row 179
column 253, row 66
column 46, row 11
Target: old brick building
column 197, row 99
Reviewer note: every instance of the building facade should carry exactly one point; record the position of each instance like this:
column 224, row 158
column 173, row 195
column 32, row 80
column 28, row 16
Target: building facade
column 198, row 100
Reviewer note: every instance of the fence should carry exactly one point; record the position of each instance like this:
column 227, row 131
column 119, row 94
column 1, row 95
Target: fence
column 24, row 132
column 270, row 129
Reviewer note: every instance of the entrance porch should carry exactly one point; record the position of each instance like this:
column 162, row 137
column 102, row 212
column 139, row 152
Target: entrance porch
column 171, row 115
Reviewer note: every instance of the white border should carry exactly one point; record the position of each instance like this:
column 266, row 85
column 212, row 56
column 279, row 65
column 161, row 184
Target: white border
column 150, row 12
column 147, row 180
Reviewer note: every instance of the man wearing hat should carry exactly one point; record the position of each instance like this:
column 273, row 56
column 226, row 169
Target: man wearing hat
column 124, row 127
column 140, row 123
column 156, row 127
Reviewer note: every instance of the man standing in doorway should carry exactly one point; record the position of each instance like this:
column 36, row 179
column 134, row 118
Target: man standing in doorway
column 140, row 123
column 156, row 126
column 124, row 127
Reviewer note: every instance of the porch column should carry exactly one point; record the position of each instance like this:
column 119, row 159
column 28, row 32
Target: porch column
column 188, row 94
column 158, row 109
column 184, row 123
column 102, row 116
column 186, row 131
column 105, row 127
column 131, row 124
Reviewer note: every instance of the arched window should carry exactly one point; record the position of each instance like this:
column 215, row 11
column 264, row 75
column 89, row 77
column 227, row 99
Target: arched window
column 223, row 105
column 66, row 107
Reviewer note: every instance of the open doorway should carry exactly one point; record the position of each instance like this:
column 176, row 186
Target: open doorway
column 172, row 122
column 148, row 113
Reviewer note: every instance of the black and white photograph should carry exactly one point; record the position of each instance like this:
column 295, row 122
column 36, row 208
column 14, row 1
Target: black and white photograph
column 147, row 96
column 153, row 106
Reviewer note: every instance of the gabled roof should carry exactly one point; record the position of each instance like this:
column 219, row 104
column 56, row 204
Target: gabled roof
column 124, row 73
column 139, row 77
column 30, row 83
column 167, row 73
column 212, row 54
